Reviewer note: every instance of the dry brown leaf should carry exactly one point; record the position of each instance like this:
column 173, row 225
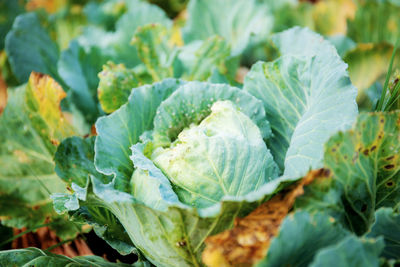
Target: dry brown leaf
column 44, row 238
column 249, row 240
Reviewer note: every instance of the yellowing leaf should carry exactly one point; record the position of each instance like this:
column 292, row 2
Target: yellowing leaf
column 51, row 6
column 249, row 240
column 43, row 97
column 331, row 16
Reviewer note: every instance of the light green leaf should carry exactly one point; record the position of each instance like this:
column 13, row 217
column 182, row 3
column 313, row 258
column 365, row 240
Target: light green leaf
column 122, row 129
column 387, row 224
column 349, row 252
column 244, row 19
column 300, row 237
column 40, row 53
column 303, row 91
column 116, row 83
column 39, row 258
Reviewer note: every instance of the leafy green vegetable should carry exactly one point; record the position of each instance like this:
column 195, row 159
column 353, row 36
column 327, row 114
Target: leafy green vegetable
column 186, row 149
column 246, row 21
column 187, row 158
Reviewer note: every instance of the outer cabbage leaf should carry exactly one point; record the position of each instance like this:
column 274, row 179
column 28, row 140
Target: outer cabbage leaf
column 245, row 18
column 155, row 50
column 31, row 126
column 387, row 224
column 330, row 16
column 116, row 44
column 163, row 59
column 302, row 92
column 343, row 44
column 364, row 163
column 368, row 63
column 201, row 59
column 74, row 164
column 40, row 258
column 9, row 10
column 40, row 52
column 115, row 86
column 78, row 67
column 300, row 237
column 375, row 21
column 351, row 251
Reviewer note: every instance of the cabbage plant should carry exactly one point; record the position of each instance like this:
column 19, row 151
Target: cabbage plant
column 181, row 160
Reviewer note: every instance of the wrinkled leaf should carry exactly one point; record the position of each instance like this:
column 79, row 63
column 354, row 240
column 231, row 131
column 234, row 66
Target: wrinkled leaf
column 302, row 92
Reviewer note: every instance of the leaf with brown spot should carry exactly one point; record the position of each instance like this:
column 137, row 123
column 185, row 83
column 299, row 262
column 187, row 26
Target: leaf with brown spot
column 361, row 182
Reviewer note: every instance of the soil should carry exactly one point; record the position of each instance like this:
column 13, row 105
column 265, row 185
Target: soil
column 83, row 245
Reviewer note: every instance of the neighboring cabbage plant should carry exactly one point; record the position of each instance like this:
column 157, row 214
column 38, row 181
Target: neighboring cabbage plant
column 181, row 160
